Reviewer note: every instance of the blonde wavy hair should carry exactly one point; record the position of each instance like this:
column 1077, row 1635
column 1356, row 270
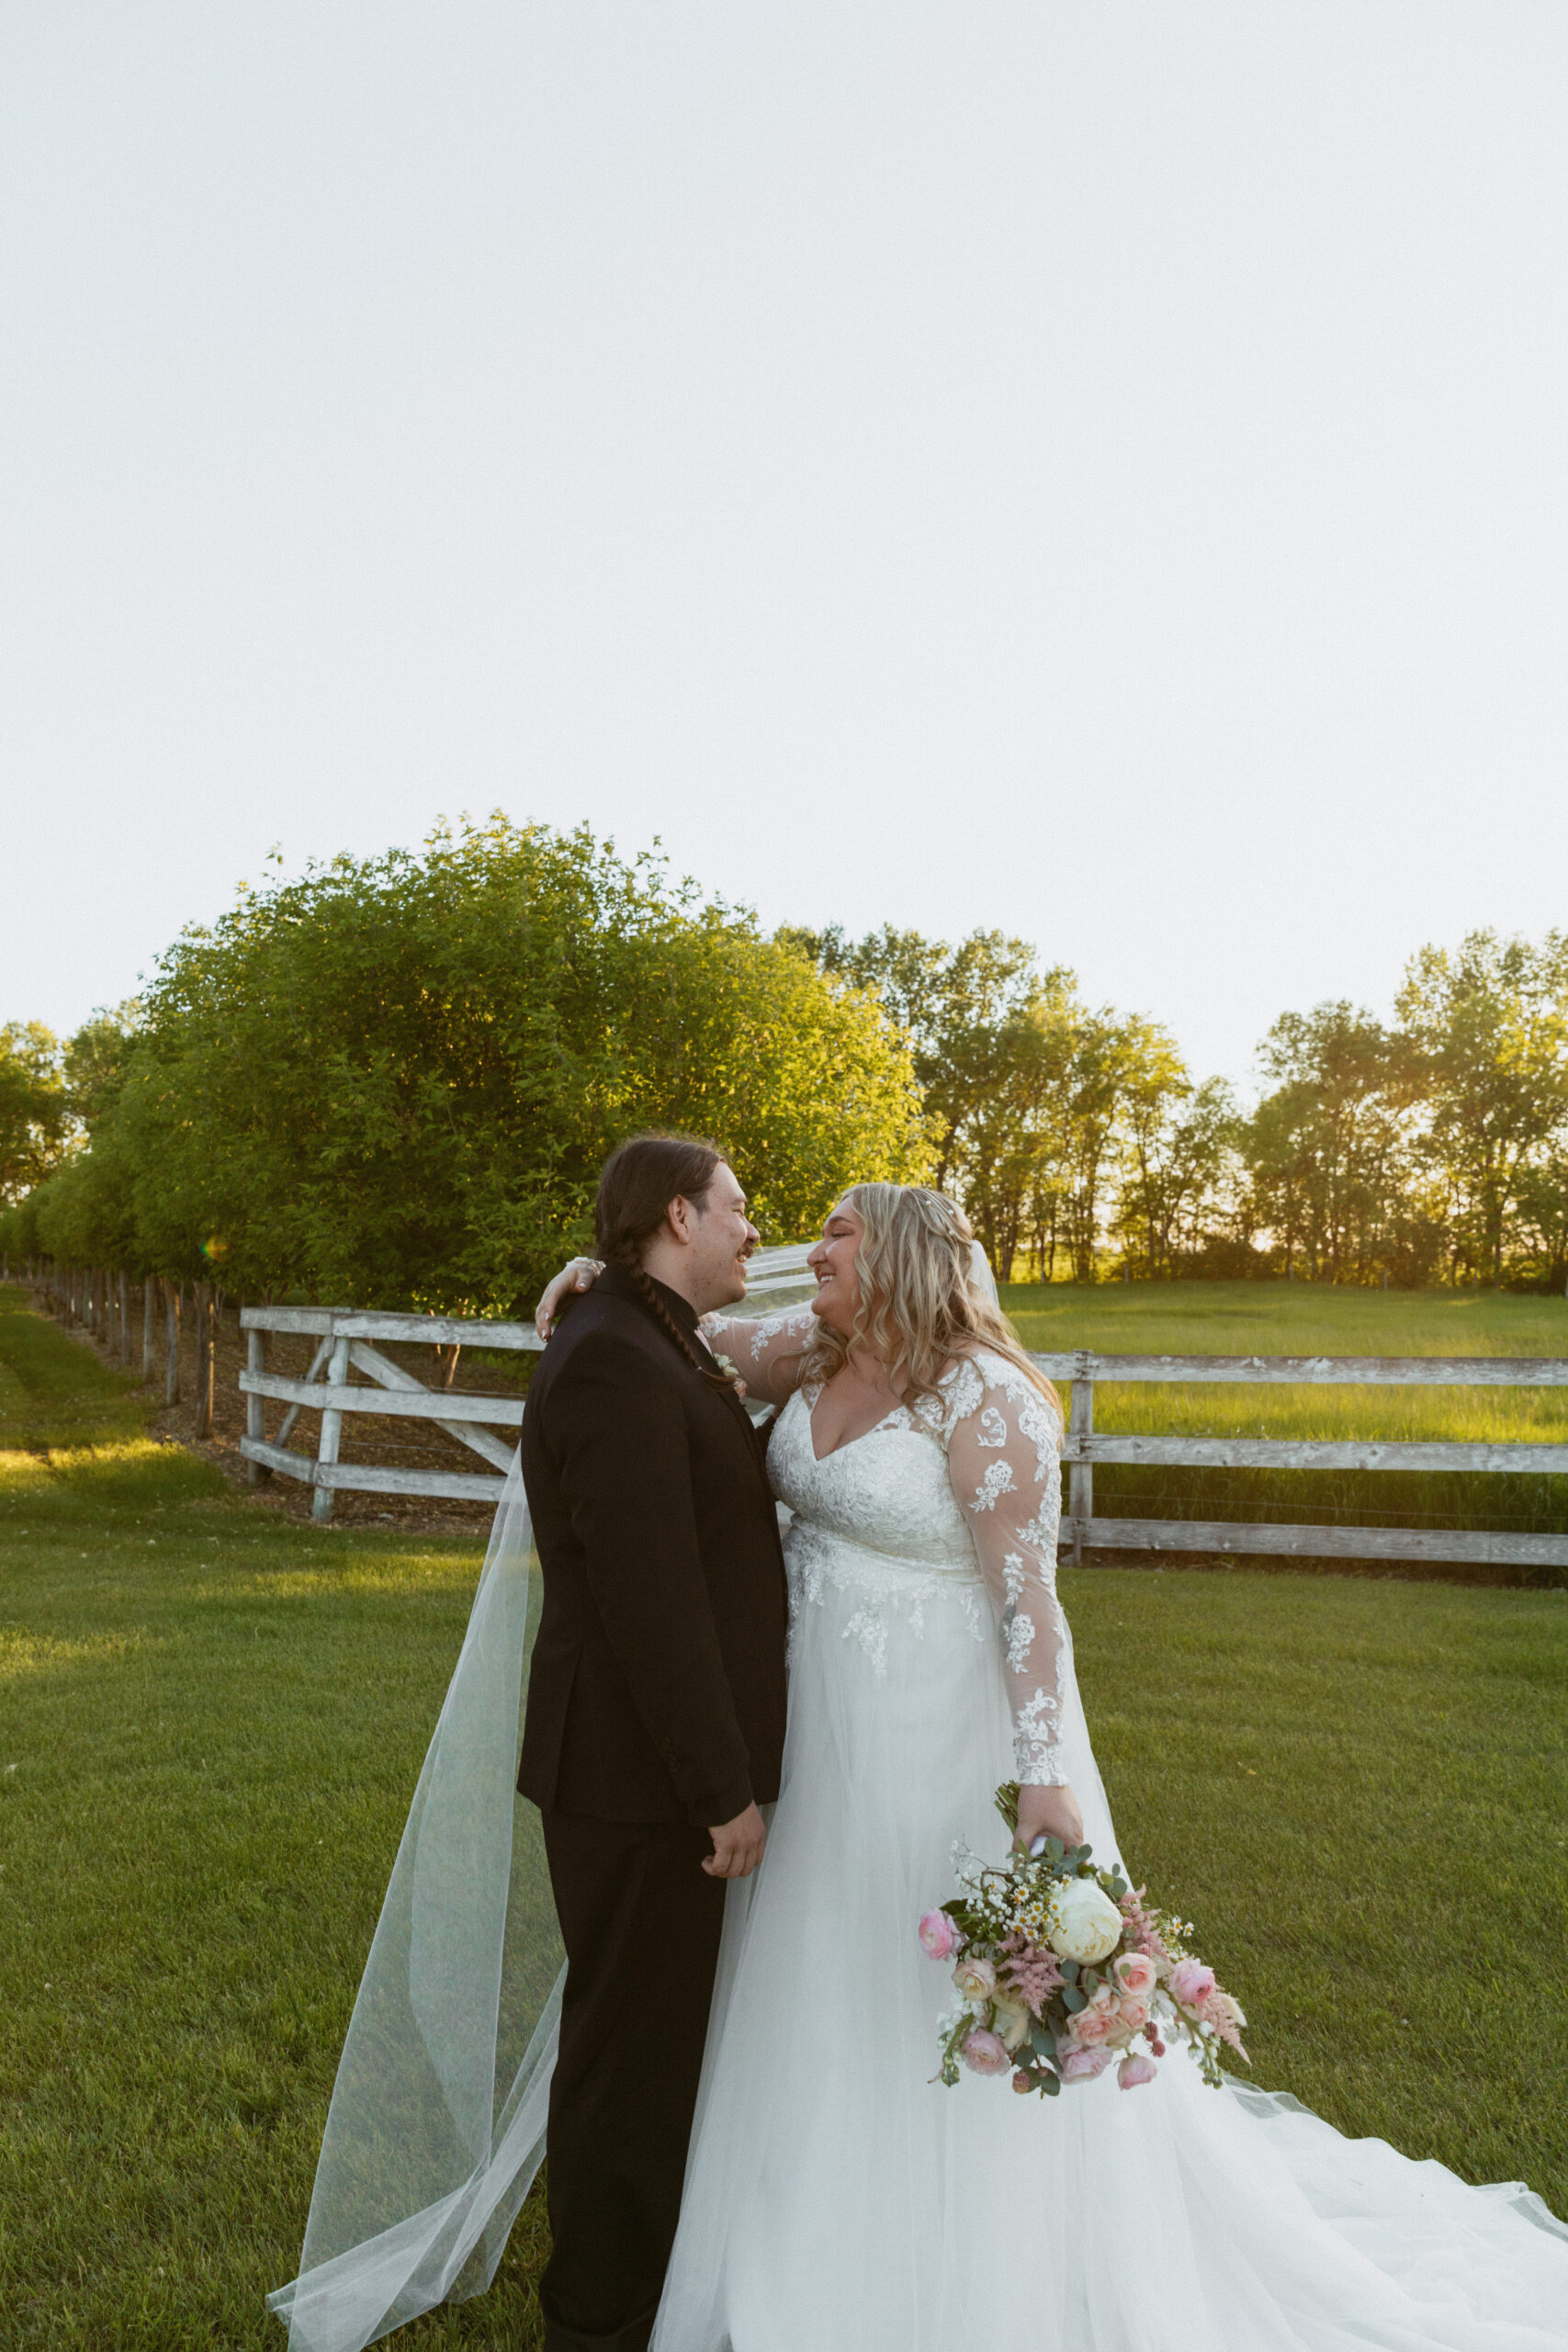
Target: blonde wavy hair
column 919, row 1304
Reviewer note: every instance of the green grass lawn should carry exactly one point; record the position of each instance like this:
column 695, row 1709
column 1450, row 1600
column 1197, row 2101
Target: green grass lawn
column 1299, row 1319
column 212, row 1719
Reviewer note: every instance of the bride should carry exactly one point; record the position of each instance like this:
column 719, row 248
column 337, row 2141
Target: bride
column 835, row 2197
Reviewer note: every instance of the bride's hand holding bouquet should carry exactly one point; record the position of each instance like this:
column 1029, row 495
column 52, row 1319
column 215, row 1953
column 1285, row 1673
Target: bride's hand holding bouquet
column 1061, row 1970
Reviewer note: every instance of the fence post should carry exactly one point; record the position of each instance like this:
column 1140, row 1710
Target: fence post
column 204, row 1353
column 1080, row 1475
column 255, row 1362
column 332, row 1431
column 171, row 1342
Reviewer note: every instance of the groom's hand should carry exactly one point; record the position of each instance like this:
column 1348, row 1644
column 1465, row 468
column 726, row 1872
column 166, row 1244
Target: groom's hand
column 737, row 1846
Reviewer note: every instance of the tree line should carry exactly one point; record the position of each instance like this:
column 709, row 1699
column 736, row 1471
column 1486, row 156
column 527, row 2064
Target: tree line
column 392, row 1081
column 1434, row 1148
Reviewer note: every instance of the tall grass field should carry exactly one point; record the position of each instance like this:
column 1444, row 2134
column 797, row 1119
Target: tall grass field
column 212, row 1716
column 1302, row 1319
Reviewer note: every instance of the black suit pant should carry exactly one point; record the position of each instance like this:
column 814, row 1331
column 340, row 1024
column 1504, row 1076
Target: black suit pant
column 640, row 1920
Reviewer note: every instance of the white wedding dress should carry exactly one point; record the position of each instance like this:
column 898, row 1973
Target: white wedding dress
column 837, row 2199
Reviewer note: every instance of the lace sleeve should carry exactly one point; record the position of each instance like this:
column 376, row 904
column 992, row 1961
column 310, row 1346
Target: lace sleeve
column 763, row 1349
column 1004, row 1468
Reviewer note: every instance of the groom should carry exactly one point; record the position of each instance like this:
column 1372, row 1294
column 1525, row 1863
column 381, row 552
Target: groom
column 656, row 1710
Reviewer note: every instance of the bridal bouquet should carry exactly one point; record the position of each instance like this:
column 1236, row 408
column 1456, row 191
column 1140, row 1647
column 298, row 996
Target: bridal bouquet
column 1061, row 1969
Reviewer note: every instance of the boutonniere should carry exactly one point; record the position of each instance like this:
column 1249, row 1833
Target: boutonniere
column 730, row 1374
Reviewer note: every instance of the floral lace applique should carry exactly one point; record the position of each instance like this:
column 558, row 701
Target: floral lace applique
column 818, row 1560
column 869, row 1628
column 996, row 1482
column 791, row 1323
column 1012, row 1502
column 1035, row 1742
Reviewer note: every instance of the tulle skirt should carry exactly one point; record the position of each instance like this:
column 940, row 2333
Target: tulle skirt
column 838, row 2199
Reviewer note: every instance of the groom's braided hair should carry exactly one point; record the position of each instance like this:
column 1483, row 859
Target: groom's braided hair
column 639, row 1183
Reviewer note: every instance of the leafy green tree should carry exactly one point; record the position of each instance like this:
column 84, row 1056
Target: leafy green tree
column 956, row 1004
column 1048, row 1117
column 35, row 1109
column 1542, row 1221
column 1490, row 1024
column 1332, row 1144
column 1014, row 1137
column 1179, row 1146
column 394, row 1081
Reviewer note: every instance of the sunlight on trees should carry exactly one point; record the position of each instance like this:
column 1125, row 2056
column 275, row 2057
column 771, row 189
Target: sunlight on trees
column 393, row 1081
column 1080, row 1142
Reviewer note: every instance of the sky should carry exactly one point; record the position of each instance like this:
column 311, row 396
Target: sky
column 1092, row 471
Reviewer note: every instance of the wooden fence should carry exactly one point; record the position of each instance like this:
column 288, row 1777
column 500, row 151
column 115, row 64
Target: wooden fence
column 346, row 1342
column 1083, row 1449
column 114, row 1308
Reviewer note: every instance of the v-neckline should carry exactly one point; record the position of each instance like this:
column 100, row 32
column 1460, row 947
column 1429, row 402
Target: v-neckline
column 845, row 1443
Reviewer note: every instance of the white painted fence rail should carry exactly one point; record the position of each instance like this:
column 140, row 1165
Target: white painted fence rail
column 346, row 1337
column 346, row 1344
column 1082, row 1449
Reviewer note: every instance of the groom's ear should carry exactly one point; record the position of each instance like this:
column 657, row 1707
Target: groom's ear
column 680, row 1216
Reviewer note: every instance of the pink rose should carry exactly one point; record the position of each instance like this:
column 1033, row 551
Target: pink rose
column 1081, row 2065
column 1225, row 2015
column 1103, row 1998
column 1134, row 2014
column 1021, row 2081
column 938, row 1935
column 1091, row 2027
column 1134, row 2071
column 1191, row 1982
column 975, row 1979
column 985, row 2054
column 1135, row 1973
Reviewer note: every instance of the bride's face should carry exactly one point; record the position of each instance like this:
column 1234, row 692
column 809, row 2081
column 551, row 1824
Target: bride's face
column 832, row 1262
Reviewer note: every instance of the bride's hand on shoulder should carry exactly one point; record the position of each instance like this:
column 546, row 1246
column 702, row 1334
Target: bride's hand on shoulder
column 1048, row 1813
column 577, row 1274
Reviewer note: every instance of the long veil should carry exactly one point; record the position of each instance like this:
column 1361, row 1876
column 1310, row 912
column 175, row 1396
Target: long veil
column 436, row 2126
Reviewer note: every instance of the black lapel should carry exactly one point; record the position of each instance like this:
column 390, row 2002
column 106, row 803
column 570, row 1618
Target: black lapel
column 614, row 1282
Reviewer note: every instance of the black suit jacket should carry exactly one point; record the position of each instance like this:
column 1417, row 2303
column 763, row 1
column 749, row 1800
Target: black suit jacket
column 657, row 1687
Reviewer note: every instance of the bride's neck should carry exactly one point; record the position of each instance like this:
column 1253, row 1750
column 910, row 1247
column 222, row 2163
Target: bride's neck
column 868, row 1368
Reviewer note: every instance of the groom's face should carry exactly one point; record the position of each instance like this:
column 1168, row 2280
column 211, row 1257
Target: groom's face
column 720, row 1237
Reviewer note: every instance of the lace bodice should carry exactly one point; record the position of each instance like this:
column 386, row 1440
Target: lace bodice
column 960, row 1492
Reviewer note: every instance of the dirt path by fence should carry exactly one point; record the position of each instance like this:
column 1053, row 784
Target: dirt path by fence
column 398, row 1443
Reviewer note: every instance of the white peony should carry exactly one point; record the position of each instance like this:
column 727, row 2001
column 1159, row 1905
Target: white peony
column 1082, row 1923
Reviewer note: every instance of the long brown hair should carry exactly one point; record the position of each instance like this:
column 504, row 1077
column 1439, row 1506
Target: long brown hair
column 638, row 1184
column 920, row 1306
